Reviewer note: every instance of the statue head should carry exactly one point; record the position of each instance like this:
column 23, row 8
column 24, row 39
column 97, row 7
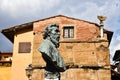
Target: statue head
column 52, row 32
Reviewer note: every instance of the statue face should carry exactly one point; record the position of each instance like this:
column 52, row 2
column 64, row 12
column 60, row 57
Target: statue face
column 55, row 33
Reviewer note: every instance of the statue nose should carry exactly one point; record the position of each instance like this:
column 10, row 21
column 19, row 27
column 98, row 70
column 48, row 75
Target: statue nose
column 59, row 33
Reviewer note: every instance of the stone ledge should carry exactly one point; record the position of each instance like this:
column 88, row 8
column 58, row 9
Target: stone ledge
column 79, row 41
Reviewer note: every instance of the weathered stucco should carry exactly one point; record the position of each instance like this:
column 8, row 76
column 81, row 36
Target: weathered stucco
column 21, row 60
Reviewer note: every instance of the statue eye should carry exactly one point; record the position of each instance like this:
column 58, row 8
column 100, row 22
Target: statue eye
column 57, row 30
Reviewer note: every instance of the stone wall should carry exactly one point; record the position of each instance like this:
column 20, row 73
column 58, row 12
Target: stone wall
column 86, row 50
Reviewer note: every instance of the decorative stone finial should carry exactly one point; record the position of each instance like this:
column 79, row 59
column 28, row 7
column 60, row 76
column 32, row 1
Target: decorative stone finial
column 102, row 18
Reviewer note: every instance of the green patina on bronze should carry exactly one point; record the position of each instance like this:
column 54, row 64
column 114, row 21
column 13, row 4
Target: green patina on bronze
column 50, row 53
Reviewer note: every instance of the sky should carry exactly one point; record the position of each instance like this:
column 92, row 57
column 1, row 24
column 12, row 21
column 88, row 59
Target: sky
column 15, row 12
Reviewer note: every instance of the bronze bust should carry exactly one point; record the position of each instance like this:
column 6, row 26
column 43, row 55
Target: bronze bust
column 50, row 53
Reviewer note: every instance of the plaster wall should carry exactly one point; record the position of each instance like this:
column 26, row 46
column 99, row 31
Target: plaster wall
column 21, row 60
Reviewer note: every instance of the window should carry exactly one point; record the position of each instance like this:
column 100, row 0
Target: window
column 24, row 47
column 68, row 32
column 0, row 57
column 6, row 58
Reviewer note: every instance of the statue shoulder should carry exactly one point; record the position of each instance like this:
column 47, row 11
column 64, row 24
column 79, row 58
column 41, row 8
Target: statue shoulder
column 45, row 46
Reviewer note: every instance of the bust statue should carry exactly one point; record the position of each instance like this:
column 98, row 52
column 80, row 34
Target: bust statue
column 50, row 54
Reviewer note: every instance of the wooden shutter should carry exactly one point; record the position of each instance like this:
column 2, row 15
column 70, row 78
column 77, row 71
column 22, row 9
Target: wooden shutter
column 24, row 47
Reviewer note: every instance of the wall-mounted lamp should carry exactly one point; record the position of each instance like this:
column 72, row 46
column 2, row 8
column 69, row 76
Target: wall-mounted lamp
column 29, row 71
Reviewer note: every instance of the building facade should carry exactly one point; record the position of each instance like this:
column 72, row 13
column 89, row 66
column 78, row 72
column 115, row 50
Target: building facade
column 6, row 58
column 80, row 46
column 5, row 65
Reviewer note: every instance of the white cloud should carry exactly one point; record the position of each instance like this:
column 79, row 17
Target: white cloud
column 115, row 44
column 118, row 38
column 83, row 9
column 27, row 7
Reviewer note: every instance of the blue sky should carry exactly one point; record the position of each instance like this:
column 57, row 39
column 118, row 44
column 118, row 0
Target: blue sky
column 15, row 12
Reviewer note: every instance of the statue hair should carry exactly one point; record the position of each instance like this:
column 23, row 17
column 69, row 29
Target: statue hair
column 48, row 29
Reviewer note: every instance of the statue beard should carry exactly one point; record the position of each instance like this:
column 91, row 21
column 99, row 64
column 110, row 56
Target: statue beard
column 55, row 40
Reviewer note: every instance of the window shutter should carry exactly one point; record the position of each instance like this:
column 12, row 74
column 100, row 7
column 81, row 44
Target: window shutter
column 24, row 47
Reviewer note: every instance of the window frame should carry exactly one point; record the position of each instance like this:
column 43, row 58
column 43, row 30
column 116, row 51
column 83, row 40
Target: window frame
column 70, row 31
